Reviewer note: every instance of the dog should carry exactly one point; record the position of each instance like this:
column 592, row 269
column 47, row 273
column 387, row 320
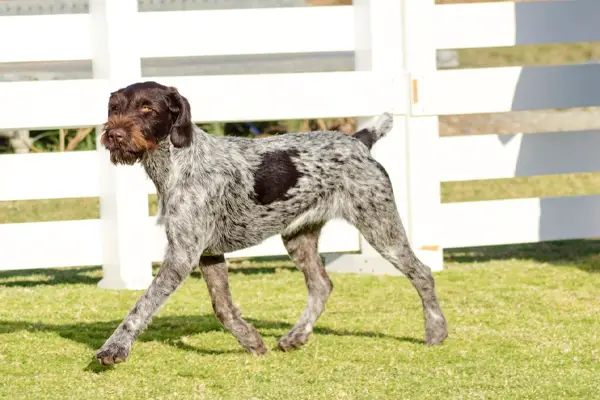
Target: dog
column 222, row 194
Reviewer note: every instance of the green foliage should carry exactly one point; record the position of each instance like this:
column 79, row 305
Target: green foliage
column 50, row 140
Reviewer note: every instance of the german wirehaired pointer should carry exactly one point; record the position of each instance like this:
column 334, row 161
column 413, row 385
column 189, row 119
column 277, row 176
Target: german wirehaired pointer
column 221, row 194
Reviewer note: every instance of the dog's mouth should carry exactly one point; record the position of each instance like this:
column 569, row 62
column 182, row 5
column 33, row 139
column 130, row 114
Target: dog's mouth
column 125, row 157
column 126, row 143
column 121, row 151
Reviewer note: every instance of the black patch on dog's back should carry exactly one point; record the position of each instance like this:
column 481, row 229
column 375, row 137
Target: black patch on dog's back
column 275, row 175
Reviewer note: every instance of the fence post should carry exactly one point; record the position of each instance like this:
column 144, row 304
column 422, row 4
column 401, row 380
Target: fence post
column 423, row 135
column 123, row 197
column 379, row 41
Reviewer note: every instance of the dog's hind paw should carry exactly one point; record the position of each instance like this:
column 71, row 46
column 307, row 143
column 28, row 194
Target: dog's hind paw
column 112, row 353
column 436, row 331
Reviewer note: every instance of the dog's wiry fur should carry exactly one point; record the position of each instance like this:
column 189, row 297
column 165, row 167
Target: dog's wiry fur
column 221, row 194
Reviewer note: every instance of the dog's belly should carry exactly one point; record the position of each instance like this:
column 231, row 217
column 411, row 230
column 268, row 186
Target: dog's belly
column 236, row 240
column 237, row 235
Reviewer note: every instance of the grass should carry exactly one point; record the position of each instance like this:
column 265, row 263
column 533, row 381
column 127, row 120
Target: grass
column 529, row 55
column 518, row 329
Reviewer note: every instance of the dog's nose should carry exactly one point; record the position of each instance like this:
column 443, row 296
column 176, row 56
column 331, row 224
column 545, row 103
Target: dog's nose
column 117, row 134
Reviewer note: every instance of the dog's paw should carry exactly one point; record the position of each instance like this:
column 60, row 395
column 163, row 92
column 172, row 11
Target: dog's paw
column 258, row 350
column 112, row 353
column 436, row 331
column 292, row 340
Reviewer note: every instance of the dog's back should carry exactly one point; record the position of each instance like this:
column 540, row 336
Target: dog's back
column 277, row 185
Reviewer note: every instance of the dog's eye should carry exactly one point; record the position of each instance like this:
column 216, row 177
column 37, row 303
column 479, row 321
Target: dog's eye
column 114, row 108
column 146, row 109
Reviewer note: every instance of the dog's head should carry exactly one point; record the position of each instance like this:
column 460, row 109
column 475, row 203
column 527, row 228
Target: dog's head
column 142, row 115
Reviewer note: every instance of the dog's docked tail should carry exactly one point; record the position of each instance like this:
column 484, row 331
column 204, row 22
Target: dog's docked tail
column 371, row 134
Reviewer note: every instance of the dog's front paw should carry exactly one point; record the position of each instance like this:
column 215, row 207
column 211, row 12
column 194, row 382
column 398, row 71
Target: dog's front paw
column 293, row 340
column 112, row 353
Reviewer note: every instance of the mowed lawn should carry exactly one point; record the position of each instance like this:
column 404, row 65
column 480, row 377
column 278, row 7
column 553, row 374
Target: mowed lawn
column 524, row 324
column 519, row 328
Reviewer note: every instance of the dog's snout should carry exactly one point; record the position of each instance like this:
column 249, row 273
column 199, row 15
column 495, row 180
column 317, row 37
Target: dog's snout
column 117, row 134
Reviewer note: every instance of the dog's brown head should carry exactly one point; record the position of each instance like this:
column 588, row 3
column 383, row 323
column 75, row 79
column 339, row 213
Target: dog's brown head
column 142, row 115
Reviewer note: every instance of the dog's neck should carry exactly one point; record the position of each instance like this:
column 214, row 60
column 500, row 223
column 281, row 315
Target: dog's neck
column 157, row 165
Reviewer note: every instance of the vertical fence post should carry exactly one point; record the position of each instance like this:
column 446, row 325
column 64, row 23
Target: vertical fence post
column 123, row 198
column 423, row 135
column 379, row 40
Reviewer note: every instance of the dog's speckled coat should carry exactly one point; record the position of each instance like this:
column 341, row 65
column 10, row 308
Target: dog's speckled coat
column 221, row 194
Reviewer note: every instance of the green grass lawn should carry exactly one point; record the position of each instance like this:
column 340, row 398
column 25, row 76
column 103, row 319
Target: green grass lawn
column 519, row 328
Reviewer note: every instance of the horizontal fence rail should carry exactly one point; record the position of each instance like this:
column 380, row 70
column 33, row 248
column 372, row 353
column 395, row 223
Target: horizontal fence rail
column 467, row 158
column 503, row 89
column 497, row 222
column 35, row 7
column 198, row 33
column 268, row 31
column 53, row 104
column 79, row 243
column 43, row 38
column 76, row 103
column 49, row 176
column 508, row 24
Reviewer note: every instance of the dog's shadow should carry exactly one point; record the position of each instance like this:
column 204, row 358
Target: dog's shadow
column 170, row 330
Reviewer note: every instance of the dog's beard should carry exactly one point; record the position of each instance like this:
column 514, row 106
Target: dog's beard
column 128, row 153
column 123, row 157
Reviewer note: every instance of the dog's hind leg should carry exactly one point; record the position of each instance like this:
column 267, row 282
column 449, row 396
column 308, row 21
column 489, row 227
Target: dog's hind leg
column 214, row 272
column 303, row 250
column 378, row 221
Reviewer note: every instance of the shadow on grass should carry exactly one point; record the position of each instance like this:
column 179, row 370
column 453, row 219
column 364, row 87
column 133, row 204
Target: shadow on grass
column 170, row 330
column 55, row 276
column 583, row 254
column 92, row 275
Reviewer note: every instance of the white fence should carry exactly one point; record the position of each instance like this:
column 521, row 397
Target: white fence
column 395, row 46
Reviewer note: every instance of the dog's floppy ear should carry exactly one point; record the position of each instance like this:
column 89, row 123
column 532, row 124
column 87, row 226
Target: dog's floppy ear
column 181, row 130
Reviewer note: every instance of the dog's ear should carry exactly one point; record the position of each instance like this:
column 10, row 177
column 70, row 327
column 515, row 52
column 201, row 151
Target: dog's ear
column 182, row 129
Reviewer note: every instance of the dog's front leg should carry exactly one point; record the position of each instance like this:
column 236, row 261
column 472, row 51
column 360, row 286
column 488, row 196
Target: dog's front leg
column 180, row 258
column 160, row 215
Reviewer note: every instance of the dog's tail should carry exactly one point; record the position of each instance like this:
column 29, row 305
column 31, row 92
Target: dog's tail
column 371, row 134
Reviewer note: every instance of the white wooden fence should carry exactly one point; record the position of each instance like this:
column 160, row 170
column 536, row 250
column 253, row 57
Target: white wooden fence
column 395, row 46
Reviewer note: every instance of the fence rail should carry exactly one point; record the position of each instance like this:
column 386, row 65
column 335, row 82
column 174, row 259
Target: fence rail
column 496, row 222
column 80, row 243
column 522, row 23
column 469, row 91
column 493, row 156
column 212, row 98
column 394, row 46
column 198, row 33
